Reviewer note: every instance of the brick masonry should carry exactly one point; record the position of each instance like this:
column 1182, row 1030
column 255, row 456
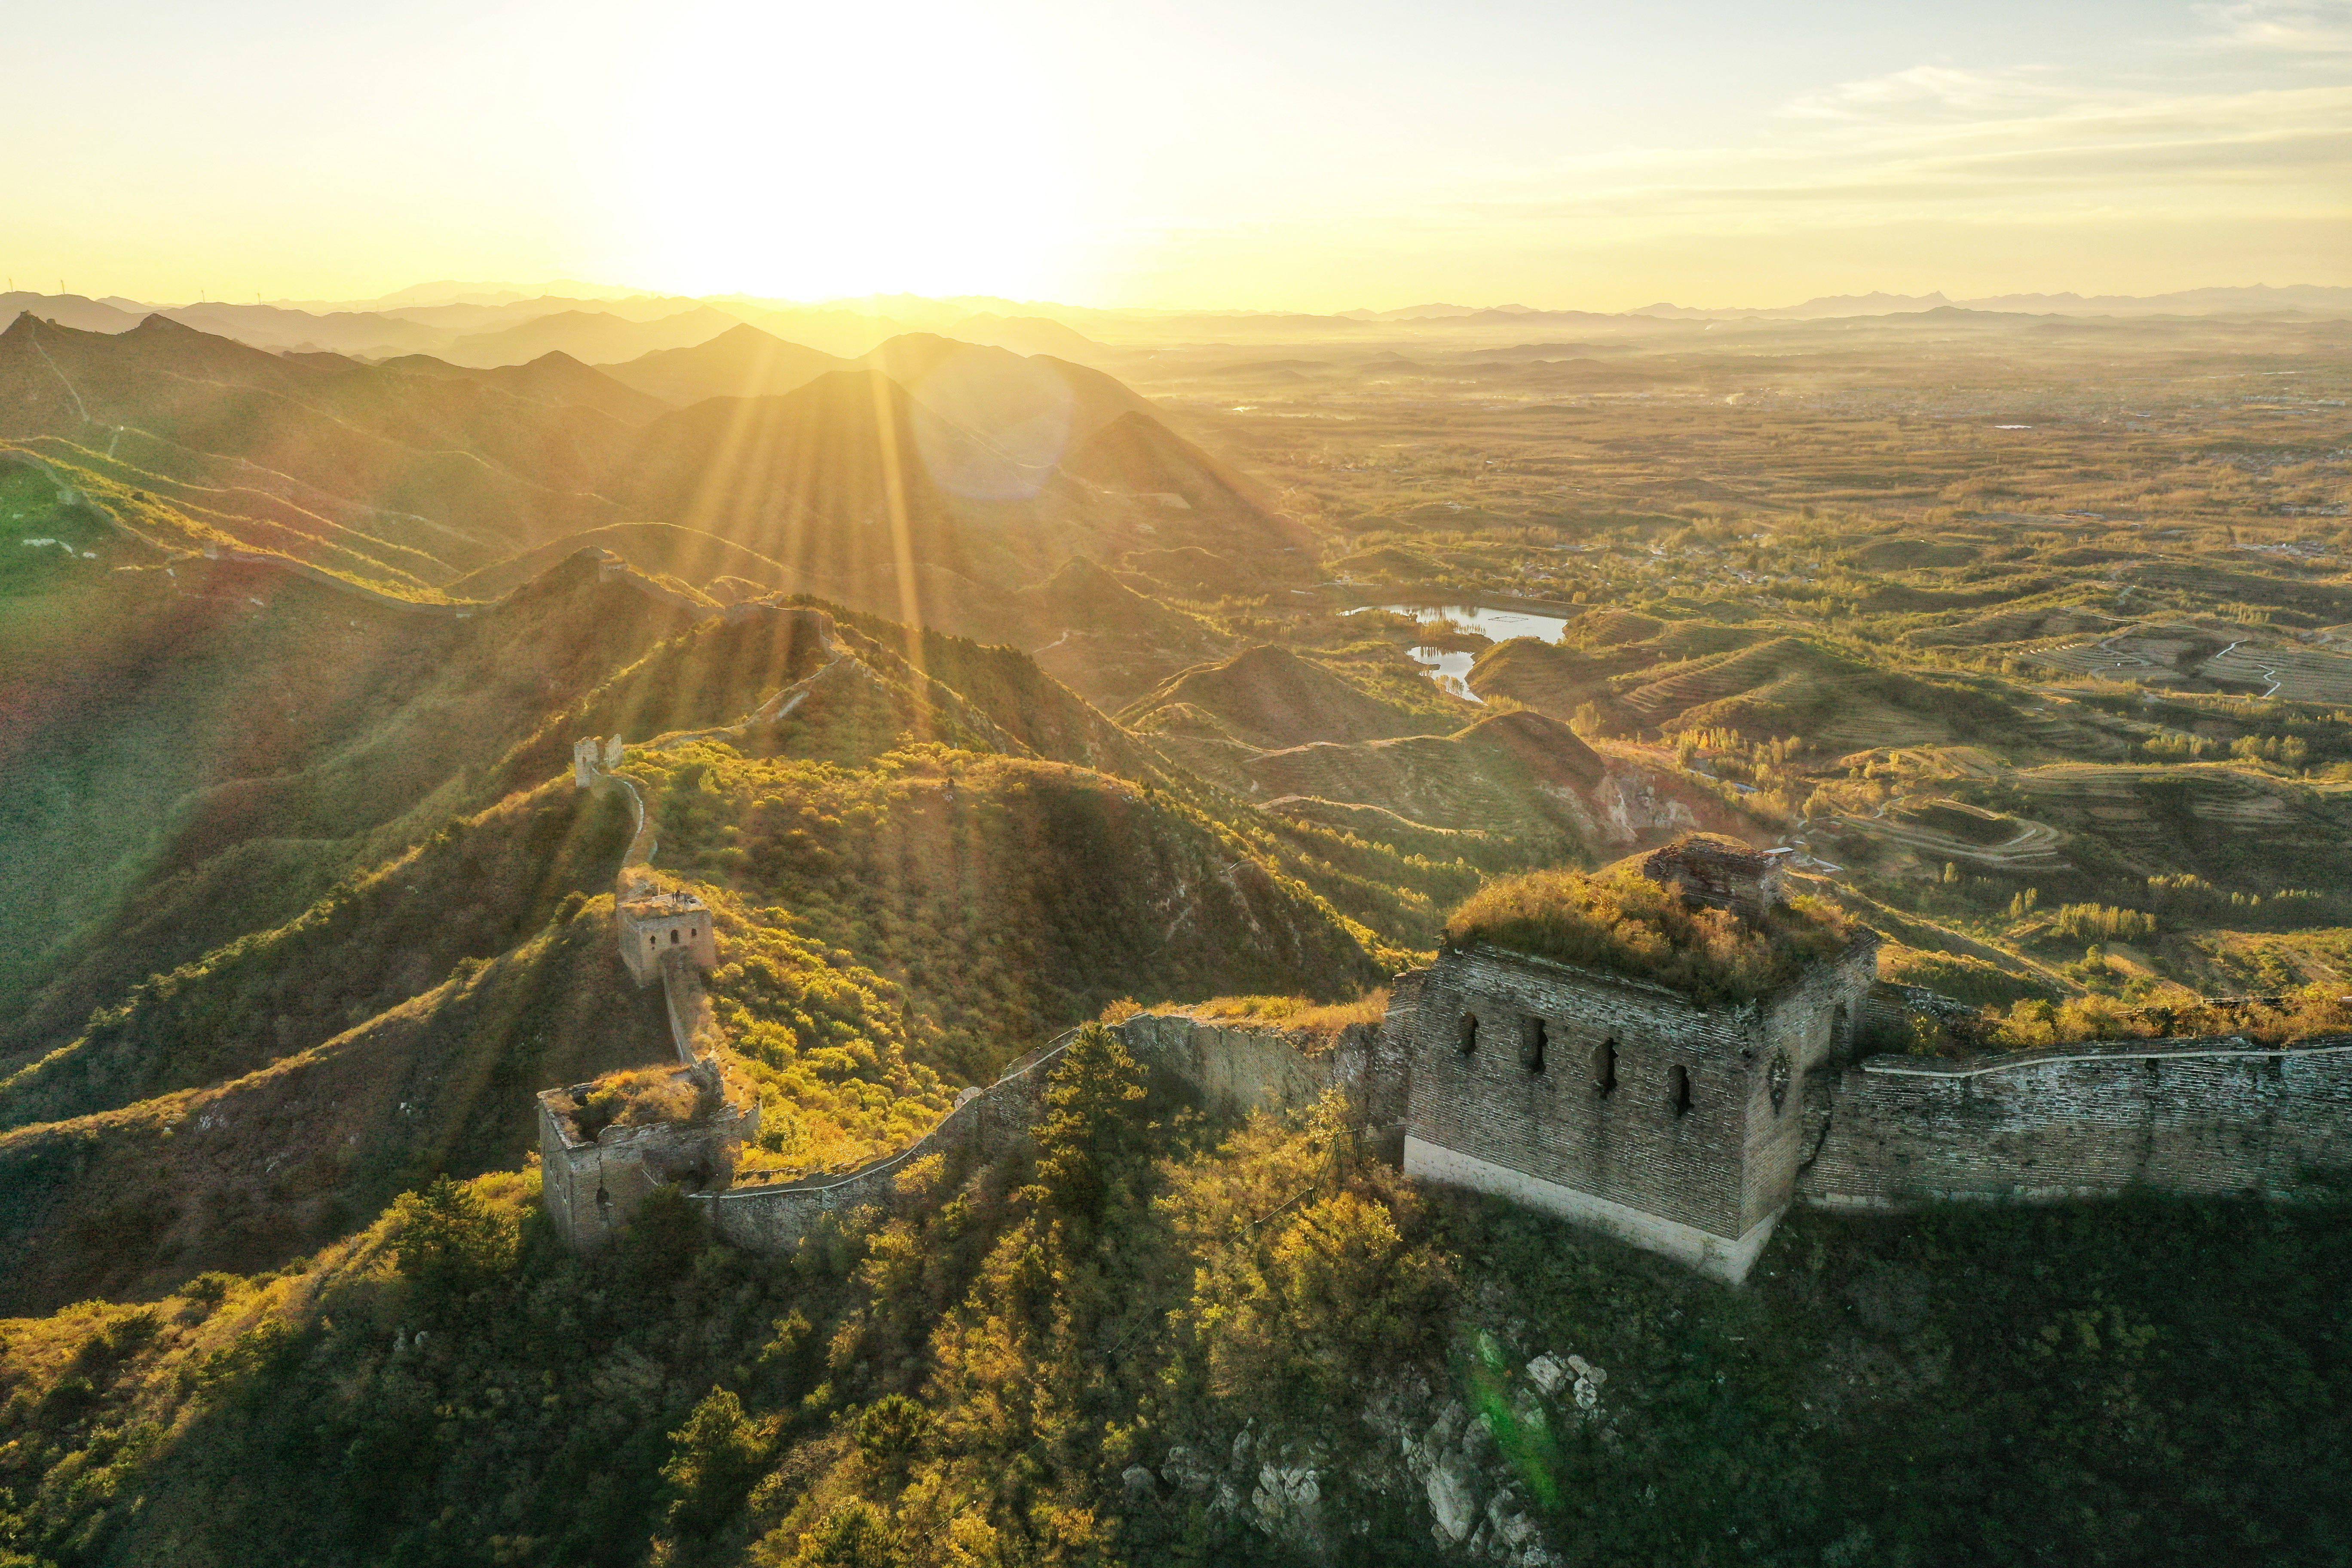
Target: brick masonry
column 2210, row 1117
column 1229, row 1069
column 1631, row 1097
column 592, row 1185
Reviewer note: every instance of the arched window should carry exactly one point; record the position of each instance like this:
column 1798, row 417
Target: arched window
column 1467, row 1035
column 1604, row 1068
column 1531, row 1045
column 673, row 936
column 1678, row 1089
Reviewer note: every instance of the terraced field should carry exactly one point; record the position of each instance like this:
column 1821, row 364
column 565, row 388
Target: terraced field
column 2229, row 825
column 1949, row 830
column 2291, row 673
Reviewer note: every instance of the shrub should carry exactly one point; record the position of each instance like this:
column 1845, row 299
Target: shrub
column 639, row 1097
column 1622, row 923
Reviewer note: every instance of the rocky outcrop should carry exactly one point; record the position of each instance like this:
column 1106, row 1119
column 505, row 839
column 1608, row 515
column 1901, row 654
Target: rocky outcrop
column 1415, row 1445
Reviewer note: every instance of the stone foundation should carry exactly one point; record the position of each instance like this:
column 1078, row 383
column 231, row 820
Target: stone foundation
column 1721, row 1257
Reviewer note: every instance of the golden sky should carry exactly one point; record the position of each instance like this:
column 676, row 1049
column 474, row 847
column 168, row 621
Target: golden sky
column 1269, row 154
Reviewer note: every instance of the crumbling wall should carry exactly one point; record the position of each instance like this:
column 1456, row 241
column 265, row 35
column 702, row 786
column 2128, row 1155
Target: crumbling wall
column 1613, row 1101
column 592, row 1186
column 1809, row 1032
column 1231, row 1069
column 1238, row 1068
column 2211, row 1116
column 771, row 1217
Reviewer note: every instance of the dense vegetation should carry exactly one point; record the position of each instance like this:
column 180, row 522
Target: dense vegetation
column 1622, row 923
column 970, row 1377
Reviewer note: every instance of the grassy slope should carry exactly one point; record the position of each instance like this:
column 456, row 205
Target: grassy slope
column 249, row 1170
column 253, row 736
column 475, row 890
column 919, row 873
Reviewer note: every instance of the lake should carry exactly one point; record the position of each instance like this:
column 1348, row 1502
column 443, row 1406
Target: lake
column 1451, row 669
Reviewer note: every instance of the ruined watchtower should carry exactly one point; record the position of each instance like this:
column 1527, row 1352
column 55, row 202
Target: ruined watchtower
column 605, row 1145
column 655, row 923
column 1665, row 1110
column 591, row 756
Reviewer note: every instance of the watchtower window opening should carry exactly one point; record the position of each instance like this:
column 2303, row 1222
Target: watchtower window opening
column 653, row 939
column 673, row 936
column 1678, row 1093
column 1604, row 1068
column 1466, row 1035
column 1532, row 1039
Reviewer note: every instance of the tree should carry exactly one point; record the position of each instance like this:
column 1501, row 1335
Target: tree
column 856, row 1534
column 1092, row 1144
column 450, row 1242
column 714, row 1459
column 892, row 1430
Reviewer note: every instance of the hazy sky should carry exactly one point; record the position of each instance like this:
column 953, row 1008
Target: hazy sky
column 1274, row 153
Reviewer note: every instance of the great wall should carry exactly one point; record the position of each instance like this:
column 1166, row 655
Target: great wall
column 1628, row 1106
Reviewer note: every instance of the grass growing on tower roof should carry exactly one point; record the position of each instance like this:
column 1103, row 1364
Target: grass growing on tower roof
column 1620, row 922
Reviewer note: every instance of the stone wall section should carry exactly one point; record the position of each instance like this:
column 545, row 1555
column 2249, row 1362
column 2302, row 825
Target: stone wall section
column 1232, row 1070
column 2210, row 1117
column 1236, row 1069
column 1809, row 1035
column 592, row 1186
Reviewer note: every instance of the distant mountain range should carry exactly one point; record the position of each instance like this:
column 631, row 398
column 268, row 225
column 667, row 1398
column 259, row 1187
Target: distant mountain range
column 490, row 325
column 2187, row 302
column 932, row 477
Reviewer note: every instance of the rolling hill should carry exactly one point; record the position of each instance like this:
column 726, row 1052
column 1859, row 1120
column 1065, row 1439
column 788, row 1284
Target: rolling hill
column 451, row 469
column 1270, row 698
column 352, row 923
column 1522, row 777
column 595, row 336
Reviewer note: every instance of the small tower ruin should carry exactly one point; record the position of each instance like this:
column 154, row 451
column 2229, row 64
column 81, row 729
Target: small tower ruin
column 605, row 1145
column 589, row 755
column 653, row 924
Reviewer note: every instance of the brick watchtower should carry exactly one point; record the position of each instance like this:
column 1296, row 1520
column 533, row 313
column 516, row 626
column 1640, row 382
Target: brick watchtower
column 1674, row 1123
column 652, row 924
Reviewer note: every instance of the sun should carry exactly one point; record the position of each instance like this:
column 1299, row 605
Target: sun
column 807, row 152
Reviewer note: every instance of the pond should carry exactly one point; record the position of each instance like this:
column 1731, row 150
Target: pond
column 1451, row 668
